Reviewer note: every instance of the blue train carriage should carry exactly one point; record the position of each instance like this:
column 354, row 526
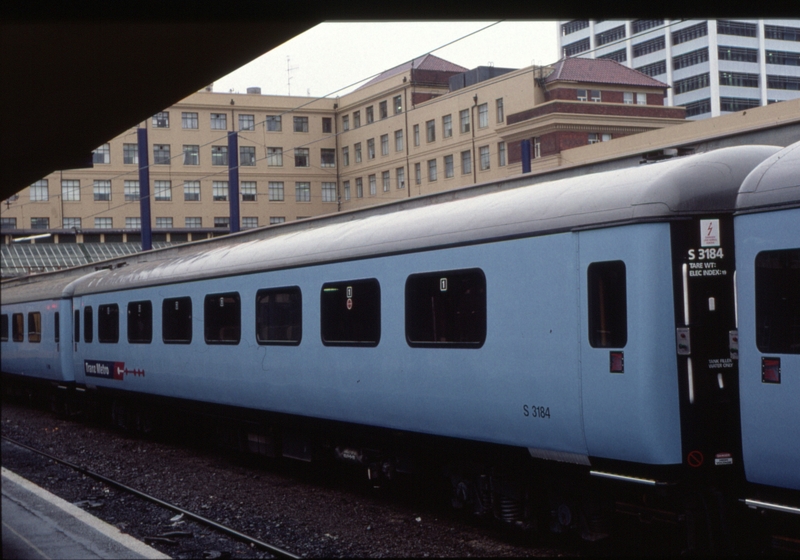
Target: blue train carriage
column 768, row 280
column 584, row 321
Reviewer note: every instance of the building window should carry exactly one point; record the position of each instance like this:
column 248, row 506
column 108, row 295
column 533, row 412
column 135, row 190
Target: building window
column 276, row 191
column 690, row 33
column 640, row 25
column 8, row 223
column 577, row 47
column 301, row 157
column 189, row 120
column 279, row 317
column 384, row 144
column 655, row 69
column 573, row 26
column 247, row 122
column 346, row 123
column 276, row 220
column 416, row 135
column 328, row 157
column 345, row 156
column 248, row 190
column 382, row 110
column 131, row 191
column 698, row 107
column 346, row 186
column 627, row 98
column 219, row 155
column 70, row 190
column 102, row 191
column 650, row 46
column 447, row 126
column 690, row 58
column 359, row 188
column 485, row 157
column 386, row 181
column 734, row 104
column 350, row 313
column 357, row 148
column 191, row 154
column 273, row 123
column 641, row 99
column 370, row 115
column 466, row 162
column 163, row 190
column 610, row 36
column 133, row 223
column 738, row 79
column 586, row 94
column 464, row 120
column 130, row 153
column 608, row 307
column 371, row 148
column 397, row 102
column 356, row 119
column 219, row 191
column 193, row 222
column 501, row 154
column 418, row 173
column 40, row 223
column 620, row 55
column 247, row 156
column 690, row 84
column 401, row 177
column 161, row 120
column 328, row 192
column 398, row 140
column 161, row 154
column 430, row 130
column 448, row 167
column 302, row 192
column 71, row 223
column 222, row 222
column 191, row 191
column 219, row 121
column 222, row 318
column 738, row 28
column 783, row 82
column 432, row 170
column 275, row 157
column 103, row 223
column 39, row 191
column 102, row 154
column 327, row 125
column 782, row 33
column 250, row 223
column 739, row 54
column 501, row 117
column 595, row 137
column 300, row 124
column 483, row 115
column 537, row 147
column 176, row 320
column 446, row 309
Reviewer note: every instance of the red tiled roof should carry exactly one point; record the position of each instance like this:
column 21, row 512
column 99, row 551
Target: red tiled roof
column 427, row 62
column 600, row 71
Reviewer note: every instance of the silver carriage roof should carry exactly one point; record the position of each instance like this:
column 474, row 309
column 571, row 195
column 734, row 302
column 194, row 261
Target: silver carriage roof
column 686, row 186
column 775, row 183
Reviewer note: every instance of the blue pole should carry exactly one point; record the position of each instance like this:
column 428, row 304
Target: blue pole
column 144, row 189
column 233, row 179
column 525, row 147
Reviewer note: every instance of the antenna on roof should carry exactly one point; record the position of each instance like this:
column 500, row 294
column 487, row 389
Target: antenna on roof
column 289, row 76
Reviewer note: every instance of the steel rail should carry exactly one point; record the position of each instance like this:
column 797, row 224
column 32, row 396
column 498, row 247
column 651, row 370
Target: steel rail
column 275, row 551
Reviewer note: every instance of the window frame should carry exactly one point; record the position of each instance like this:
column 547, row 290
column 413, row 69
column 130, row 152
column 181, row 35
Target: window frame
column 598, row 300
column 208, row 328
column 295, row 312
column 168, row 316
column 329, row 304
column 108, row 323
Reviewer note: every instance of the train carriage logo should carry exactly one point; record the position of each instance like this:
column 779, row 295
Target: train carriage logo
column 109, row 370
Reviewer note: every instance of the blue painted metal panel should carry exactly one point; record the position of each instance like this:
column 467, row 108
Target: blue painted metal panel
column 770, row 412
column 33, row 359
column 635, row 415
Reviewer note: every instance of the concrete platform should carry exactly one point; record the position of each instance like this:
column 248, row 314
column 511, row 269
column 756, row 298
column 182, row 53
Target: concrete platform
column 37, row 524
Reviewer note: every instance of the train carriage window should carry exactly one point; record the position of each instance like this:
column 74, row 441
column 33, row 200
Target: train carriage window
column 222, row 318
column 608, row 306
column 34, row 327
column 279, row 316
column 176, row 320
column 778, row 301
column 350, row 313
column 77, row 326
column 4, row 327
column 57, row 328
column 140, row 322
column 446, row 309
column 108, row 323
column 18, row 327
column 88, row 324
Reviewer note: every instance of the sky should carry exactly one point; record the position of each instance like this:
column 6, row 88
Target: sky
column 336, row 57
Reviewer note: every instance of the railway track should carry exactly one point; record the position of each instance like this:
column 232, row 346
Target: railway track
column 182, row 513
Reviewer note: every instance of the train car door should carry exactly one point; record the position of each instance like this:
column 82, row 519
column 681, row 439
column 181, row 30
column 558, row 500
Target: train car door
column 706, row 345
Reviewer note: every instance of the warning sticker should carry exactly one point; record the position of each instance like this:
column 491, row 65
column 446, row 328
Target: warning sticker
column 723, row 459
column 709, row 233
